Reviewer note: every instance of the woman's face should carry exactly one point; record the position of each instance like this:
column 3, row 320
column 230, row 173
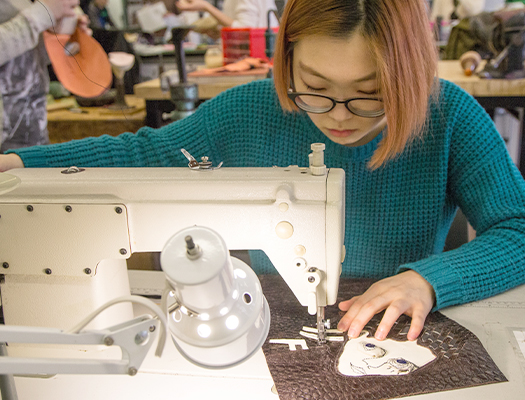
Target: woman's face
column 341, row 69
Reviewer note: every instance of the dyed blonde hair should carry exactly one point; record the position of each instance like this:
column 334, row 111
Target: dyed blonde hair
column 400, row 39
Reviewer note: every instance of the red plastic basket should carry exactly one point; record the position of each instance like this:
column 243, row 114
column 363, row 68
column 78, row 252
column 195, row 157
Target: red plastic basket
column 238, row 43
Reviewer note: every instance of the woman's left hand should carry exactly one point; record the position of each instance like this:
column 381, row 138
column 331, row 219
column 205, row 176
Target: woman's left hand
column 405, row 293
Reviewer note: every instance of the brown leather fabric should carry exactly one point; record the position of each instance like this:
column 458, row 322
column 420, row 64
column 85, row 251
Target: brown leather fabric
column 461, row 361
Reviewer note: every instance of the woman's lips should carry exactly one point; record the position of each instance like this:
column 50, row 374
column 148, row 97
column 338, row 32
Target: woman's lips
column 343, row 133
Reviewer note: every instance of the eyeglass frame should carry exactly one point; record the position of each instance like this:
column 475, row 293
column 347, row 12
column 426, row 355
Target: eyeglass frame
column 365, row 114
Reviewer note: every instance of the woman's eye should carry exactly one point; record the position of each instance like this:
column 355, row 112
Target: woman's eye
column 312, row 89
column 374, row 92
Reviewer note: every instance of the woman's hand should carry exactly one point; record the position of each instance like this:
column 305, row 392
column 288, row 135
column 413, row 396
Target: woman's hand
column 61, row 8
column 10, row 161
column 83, row 23
column 405, row 293
column 192, row 5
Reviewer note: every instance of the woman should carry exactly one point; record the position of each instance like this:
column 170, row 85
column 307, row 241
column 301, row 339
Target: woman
column 359, row 77
column 235, row 13
column 24, row 80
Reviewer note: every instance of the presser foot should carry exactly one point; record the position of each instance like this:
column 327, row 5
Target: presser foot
column 322, row 333
column 330, row 335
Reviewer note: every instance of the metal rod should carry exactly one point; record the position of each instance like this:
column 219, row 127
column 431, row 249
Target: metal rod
column 7, row 381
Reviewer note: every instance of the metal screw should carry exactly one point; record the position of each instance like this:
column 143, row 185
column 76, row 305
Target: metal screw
column 30, row 208
column 48, row 271
column 311, row 279
column 87, row 271
column 152, row 328
column 69, row 208
column 123, row 251
column 190, row 245
column 141, row 337
column 5, row 265
column 108, row 341
column 132, row 371
column 312, row 269
column 192, row 250
column 118, row 210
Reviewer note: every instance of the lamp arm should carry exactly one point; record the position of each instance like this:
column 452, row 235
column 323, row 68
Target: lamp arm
column 132, row 299
column 134, row 337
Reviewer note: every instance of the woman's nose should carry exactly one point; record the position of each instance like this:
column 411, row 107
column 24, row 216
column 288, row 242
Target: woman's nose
column 340, row 113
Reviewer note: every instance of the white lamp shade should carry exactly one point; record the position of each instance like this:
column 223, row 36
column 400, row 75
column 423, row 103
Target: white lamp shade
column 223, row 316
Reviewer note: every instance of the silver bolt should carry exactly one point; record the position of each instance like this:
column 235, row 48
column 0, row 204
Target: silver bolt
column 141, row 337
column 108, row 341
column 132, row 371
column 192, row 250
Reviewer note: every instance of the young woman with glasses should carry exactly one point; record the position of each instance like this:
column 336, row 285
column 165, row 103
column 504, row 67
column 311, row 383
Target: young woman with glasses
column 359, row 76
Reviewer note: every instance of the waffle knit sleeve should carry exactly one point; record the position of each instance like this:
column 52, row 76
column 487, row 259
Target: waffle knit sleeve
column 146, row 148
column 490, row 191
column 21, row 33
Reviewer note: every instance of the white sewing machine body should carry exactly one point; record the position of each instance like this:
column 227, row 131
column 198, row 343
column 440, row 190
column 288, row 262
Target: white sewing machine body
column 64, row 238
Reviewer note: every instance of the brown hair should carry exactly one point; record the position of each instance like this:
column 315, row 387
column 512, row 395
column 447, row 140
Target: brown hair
column 400, row 38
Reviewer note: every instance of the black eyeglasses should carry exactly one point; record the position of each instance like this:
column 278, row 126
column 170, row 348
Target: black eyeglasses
column 319, row 104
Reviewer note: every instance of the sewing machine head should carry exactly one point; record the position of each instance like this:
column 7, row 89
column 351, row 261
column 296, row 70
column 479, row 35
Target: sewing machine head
column 65, row 235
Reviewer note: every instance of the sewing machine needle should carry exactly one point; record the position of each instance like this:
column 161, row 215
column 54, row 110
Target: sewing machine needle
column 321, row 328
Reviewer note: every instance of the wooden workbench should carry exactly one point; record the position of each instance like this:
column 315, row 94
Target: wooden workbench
column 64, row 125
column 158, row 101
column 208, row 89
column 477, row 87
column 449, row 70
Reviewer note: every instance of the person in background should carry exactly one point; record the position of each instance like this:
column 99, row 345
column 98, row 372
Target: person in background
column 98, row 15
column 414, row 149
column 24, row 79
column 459, row 9
column 235, row 13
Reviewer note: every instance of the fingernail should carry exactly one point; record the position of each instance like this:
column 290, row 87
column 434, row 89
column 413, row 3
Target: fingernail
column 341, row 326
column 352, row 333
column 380, row 335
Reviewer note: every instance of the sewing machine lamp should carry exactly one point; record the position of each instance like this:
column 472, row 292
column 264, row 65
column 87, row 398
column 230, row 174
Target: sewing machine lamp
column 218, row 316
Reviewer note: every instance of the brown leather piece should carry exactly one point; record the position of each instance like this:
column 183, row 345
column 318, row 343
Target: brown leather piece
column 86, row 74
column 461, row 361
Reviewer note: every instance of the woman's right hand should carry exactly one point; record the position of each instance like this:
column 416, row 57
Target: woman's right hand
column 10, row 161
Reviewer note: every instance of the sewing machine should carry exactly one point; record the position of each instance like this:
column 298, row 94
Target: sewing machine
column 65, row 234
column 68, row 222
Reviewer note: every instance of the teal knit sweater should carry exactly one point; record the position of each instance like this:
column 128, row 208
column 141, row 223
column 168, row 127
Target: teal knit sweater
column 397, row 217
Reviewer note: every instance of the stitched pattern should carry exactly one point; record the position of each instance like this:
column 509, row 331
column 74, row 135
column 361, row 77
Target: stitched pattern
column 461, row 361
